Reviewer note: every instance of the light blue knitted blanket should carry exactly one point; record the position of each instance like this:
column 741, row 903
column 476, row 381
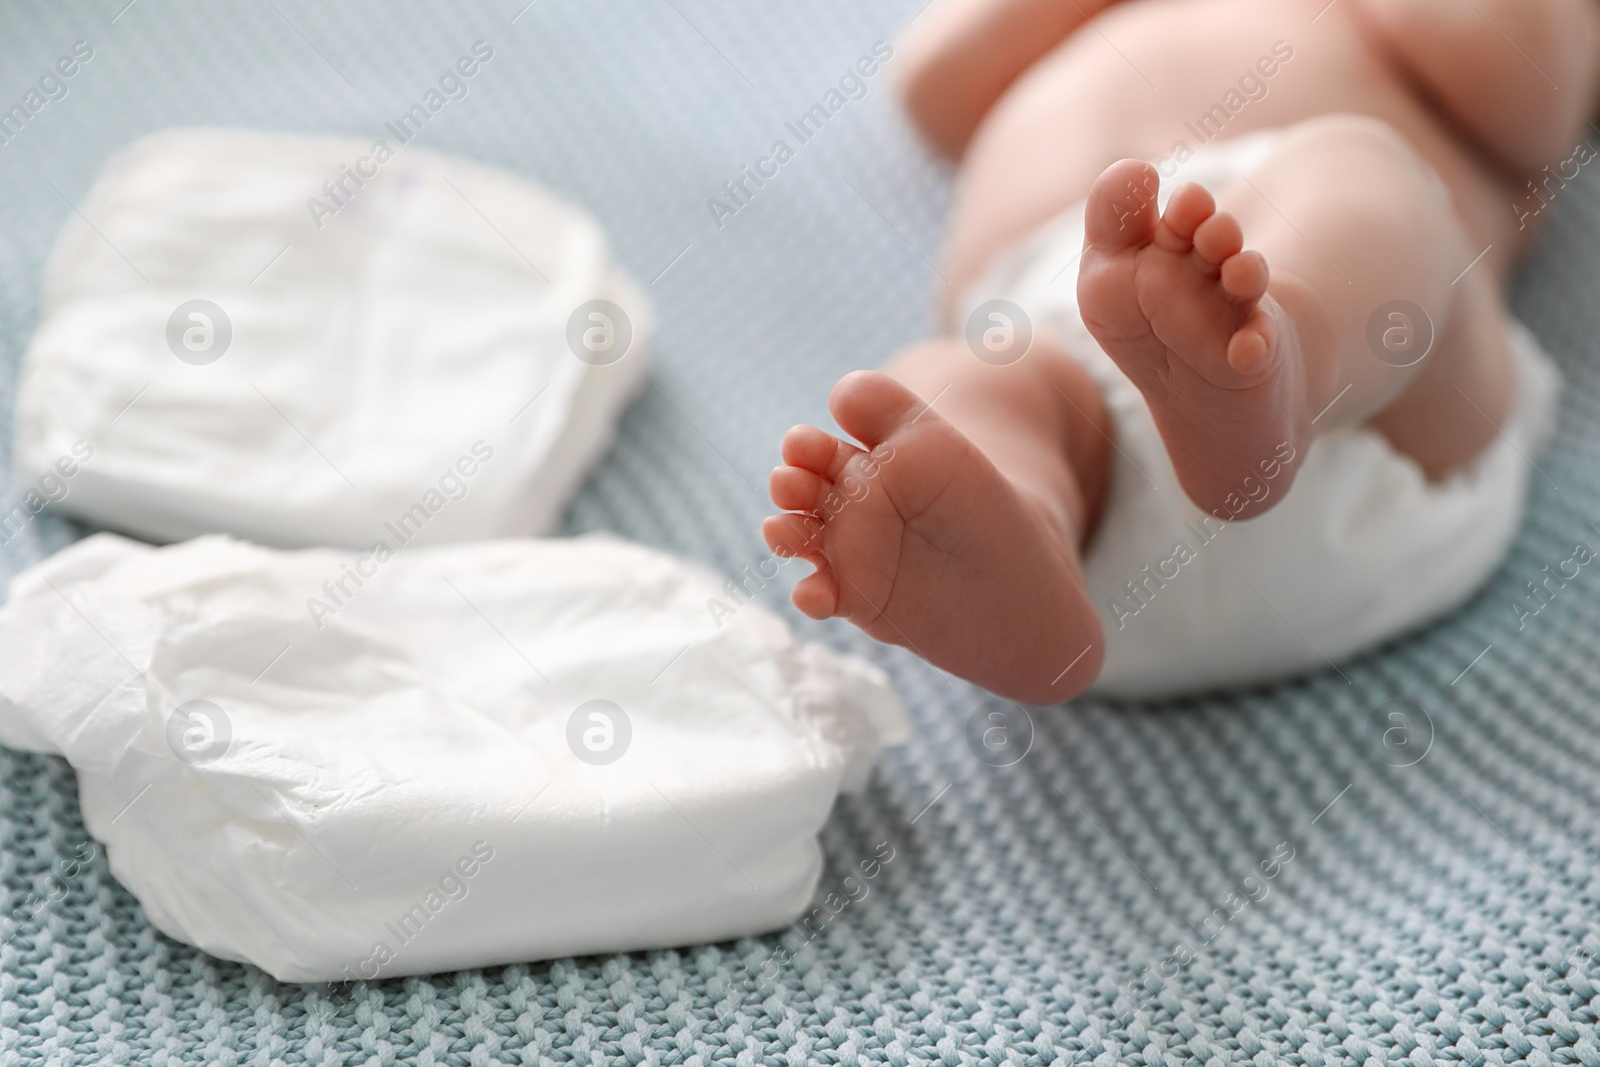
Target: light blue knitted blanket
column 1285, row 876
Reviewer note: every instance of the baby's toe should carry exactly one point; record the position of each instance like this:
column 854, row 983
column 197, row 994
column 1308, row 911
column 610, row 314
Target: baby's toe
column 795, row 488
column 870, row 406
column 815, row 450
column 817, row 595
column 1190, row 206
column 1121, row 212
column 1218, row 238
column 1245, row 276
column 1252, row 350
column 791, row 535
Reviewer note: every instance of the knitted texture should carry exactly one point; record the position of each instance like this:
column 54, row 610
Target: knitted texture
column 1286, row 876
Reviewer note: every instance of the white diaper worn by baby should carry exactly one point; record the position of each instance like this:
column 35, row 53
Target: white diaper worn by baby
column 298, row 340
column 464, row 755
column 1363, row 547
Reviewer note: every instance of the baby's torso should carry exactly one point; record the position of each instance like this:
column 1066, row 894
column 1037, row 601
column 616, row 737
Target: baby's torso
column 1158, row 79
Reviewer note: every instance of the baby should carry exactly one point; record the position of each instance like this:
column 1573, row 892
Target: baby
column 1323, row 306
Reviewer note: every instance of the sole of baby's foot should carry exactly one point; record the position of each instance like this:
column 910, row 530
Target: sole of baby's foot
column 922, row 542
column 1183, row 309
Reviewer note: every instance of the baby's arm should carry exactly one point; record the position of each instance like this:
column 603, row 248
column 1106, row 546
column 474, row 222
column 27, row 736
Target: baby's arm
column 960, row 55
column 1518, row 75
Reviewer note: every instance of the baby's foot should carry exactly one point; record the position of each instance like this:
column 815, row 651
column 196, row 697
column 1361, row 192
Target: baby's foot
column 920, row 540
column 1184, row 311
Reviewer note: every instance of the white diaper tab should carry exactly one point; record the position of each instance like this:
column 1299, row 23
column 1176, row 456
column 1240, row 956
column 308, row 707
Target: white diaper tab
column 1363, row 548
column 487, row 753
column 299, row 340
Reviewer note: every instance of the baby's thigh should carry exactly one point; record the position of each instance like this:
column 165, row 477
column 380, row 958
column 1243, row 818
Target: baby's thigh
column 1519, row 76
column 1346, row 201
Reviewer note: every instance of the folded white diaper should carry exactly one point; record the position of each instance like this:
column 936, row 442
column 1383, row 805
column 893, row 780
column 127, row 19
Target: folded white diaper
column 1364, row 546
column 300, row 340
column 484, row 753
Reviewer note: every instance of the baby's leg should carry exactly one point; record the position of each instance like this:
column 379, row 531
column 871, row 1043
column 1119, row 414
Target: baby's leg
column 959, row 56
column 1239, row 353
column 1519, row 75
column 954, row 528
